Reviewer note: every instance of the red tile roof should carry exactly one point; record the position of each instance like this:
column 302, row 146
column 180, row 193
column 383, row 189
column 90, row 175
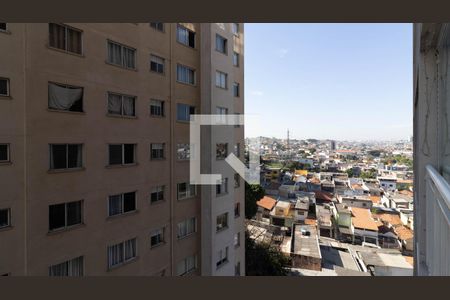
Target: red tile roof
column 267, row 202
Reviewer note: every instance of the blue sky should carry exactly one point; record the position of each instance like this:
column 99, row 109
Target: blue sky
column 337, row 81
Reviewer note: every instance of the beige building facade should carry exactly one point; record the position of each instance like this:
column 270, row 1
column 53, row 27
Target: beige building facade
column 94, row 149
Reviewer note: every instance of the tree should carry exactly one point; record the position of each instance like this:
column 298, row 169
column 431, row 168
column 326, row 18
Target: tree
column 349, row 172
column 263, row 260
column 253, row 193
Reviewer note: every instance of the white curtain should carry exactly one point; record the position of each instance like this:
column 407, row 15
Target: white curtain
column 63, row 98
column 114, row 104
column 130, row 249
column 115, row 205
column 114, row 53
column 115, row 254
column 128, row 58
column 128, row 106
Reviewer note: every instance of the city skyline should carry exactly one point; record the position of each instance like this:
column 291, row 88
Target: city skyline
column 365, row 68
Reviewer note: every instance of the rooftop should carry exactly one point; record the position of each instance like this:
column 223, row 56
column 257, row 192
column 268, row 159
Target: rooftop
column 267, row 203
column 305, row 241
column 362, row 218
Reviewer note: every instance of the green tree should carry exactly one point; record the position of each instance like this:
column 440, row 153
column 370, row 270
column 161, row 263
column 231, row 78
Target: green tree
column 263, row 260
column 349, row 172
column 253, row 193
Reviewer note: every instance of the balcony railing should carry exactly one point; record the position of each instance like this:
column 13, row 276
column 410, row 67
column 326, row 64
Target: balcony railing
column 437, row 254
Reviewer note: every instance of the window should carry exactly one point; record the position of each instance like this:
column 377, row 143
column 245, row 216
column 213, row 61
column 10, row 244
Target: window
column 186, row 190
column 183, row 152
column 157, row 237
column 65, row 38
column 5, row 217
column 222, row 222
column 185, row 74
column 158, row 26
column 64, row 215
column 235, row 59
column 222, row 257
column 4, row 153
column 121, row 253
column 223, row 111
column 122, row 154
column 237, row 149
column 237, row 180
column 157, row 64
column 184, row 112
column 235, row 28
column 121, row 105
column 237, row 269
column 237, row 209
column 65, row 97
column 222, row 187
column 187, row 227
column 221, row 150
column 121, row 203
column 73, row 267
column 156, row 108
column 237, row 239
column 185, row 36
column 236, row 89
column 3, row 27
column 121, row 55
column 221, row 44
column 157, row 194
column 187, row 265
column 66, row 156
column 157, row 151
column 221, row 80
column 4, row 87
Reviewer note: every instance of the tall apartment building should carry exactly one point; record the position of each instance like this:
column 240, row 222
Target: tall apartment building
column 94, row 149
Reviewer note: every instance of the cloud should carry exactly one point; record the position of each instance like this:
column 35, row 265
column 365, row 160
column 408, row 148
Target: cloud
column 282, row 52
column 257, row 93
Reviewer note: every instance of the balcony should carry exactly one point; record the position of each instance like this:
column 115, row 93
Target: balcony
column 437, row 203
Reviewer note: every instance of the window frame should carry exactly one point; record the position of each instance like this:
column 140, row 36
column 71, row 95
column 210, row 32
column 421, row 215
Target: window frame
column 220, row 73
column 157, row 190
column 237, row 180
column 67, row 27
column 155, row 27
column 222, row 227
column 6, row 28
column 124, row 260
column 69, row 267
column 122, row 200
column 122, row 96
column 236, row 59
column 185, row 262
column 66, row 227
column 8, row 153
column 235, row 29
column 223, row 259
column 188, row 32
column 163, row 64
column 123, row 155
column 64, row 85
column 221, row 157
column 187, row 152
column 189, row 107
column 185, row 223
column 237, row 208
column 163, row 151
column 194, row 75
column 236, row 90
column 223, row 43
column 223, row 186
column 187, row 192
column 162, row 107
column 156, row 232
column 81, row 148
column 122, row 53
column 8, row 218
column 8, row 88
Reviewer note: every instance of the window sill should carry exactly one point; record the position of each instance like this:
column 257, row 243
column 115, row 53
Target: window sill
column 183, row 160
column 188, row 84
column 65, row 51
column 6, row 228
column 5, row 163
column 237, row 216
column 4, row 97
column 221, row 195
column 222, row 229
column 66, row 111
column 131, row 260
column 187, row 46
column 121, row 116
column 186, row 236
column 163, row 74
column 190, row 197
column 5, row 31
column 222, row 264
column 65, row 229
column 157, row 202
column 158, row 159
column 121, row 67
column 157, row 246
column 224, row 53
column 121, row 166
column 157, row 117
column 118, row 216
column 55, row 171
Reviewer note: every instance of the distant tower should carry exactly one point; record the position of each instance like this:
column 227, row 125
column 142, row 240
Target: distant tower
column 333, row 145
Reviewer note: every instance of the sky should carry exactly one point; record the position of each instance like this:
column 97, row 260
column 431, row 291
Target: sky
column 329, row 81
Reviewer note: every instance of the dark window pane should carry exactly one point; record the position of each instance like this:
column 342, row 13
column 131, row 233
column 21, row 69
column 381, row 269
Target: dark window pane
column 4, row 217
column 2, row 26
column 57, row 216
column 74, row 156
column 129, row 201
column 129, row 153
column 73, row 41
column 57, row 36
column 4, row 87
column 191, row 111
column 3, row 152
column 192, row 39
column 73, row 213
column 115, row 154
column 59, row 157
